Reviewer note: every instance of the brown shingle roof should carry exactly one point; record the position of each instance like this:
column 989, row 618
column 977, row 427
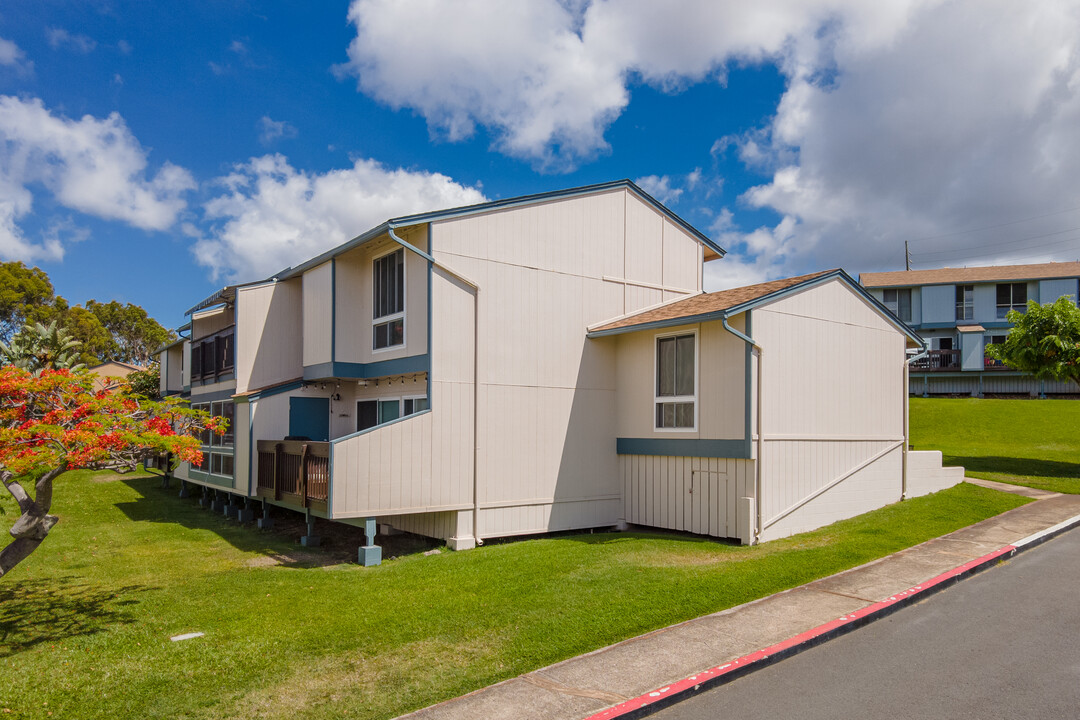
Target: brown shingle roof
column 707, row 303
column 941, row 276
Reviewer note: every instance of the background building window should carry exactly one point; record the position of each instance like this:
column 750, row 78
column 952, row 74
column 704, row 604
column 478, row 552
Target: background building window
column 1011, row 296
column 898, row 300
column 389, row 301
column 965, row 302
column 675, row 381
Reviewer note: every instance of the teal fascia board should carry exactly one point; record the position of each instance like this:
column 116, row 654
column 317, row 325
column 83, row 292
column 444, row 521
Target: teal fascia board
column 276, row 390
column 682, row 447
column 365, row 371
column 213, row 396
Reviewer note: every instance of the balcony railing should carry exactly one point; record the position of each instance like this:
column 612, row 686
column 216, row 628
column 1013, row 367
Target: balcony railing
column 938, row 360
column 295, row 472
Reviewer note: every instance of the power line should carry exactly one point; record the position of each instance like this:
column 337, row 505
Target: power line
column 1007, row 242
column 992, row 227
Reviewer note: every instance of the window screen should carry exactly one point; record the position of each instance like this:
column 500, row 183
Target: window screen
column 675, row 386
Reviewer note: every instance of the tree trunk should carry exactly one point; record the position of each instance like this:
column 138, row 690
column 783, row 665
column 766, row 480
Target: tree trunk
column 35, row 522
column 15, row 553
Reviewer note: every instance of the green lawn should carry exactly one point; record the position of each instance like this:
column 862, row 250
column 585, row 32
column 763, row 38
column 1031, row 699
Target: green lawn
column 1025, row 442
column 85, row 622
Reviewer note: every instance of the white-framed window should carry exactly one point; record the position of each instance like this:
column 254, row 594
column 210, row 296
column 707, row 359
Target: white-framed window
column 226, row 409
column 411, row 404
column 376, row 411
column 388, row 303
column 220, row 464
column 965, row 302
column 898, row 300
column 675, row 405
column 1011, row 296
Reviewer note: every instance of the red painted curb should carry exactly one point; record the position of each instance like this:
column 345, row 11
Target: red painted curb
column 756, row 657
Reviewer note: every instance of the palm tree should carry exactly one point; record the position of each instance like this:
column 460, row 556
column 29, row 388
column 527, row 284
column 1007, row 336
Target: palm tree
column 38, row 347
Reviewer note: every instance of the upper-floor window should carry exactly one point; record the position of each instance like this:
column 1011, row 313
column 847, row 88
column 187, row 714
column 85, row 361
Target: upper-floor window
column 965, row 302
column 1011, row 296
column 676, row 382
column 898, row 300
column 212, row 356
column 388, row 317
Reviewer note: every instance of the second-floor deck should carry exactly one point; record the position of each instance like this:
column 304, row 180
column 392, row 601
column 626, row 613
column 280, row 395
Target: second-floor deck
column 950, row 361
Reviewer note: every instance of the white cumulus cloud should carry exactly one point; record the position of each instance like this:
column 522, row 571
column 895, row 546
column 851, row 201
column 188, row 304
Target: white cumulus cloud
column 271, row 215
column 900, row 119
column 954, row 125
column 93, row 165
column 549, row 77
column 660, row 187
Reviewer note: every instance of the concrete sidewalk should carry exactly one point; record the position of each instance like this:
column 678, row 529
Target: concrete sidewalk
column 625, row 679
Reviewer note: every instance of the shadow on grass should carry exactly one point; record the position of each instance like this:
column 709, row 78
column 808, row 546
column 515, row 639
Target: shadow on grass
column 279, row 546
column 33, row 612
column 1031, row 467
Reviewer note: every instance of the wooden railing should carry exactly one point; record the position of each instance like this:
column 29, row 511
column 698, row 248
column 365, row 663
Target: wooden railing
column 938, row 360
column 294, row 471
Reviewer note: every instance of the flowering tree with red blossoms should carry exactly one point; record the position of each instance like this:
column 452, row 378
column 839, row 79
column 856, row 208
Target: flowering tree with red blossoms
column 54, row 421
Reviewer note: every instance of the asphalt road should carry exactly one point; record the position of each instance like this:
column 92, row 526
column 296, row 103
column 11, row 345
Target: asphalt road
column 1002, row 644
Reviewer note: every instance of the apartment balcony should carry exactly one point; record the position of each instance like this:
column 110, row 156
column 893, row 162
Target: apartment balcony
column 938, row 360
column 294, row 472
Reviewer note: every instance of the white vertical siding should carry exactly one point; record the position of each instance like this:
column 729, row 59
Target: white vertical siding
column 721, row 382
column 317, row 314
column 268, row 334
column 354, row 286
column 240, row 450
column 698, row 495
column 185, row 372
column 403, row 467
column 209, row 322
column 833, row 400
column 546, row 394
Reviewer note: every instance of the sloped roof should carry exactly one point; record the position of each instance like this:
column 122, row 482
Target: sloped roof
column 705, row 304
column 993, row 273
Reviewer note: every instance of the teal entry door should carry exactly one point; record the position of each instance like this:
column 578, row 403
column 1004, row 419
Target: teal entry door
column 310, row 418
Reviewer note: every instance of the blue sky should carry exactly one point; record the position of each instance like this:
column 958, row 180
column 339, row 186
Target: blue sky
column 153, row 152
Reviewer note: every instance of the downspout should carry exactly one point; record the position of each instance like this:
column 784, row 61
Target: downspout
column 760, row 425
column 476, row 368
column 907, row 415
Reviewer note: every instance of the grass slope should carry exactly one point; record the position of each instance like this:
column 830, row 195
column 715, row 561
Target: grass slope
column 1025, row 442
column 85, row 622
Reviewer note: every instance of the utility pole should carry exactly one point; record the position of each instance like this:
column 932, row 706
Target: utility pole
column 907, row 256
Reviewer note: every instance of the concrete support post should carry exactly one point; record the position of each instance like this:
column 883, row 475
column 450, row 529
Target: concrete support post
column 218, row 503
column 183, row 488
column 265, row 522
column 204, row 499
column 245, row 514
column 311, row 539
column 370, row 554
column 232, row 506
